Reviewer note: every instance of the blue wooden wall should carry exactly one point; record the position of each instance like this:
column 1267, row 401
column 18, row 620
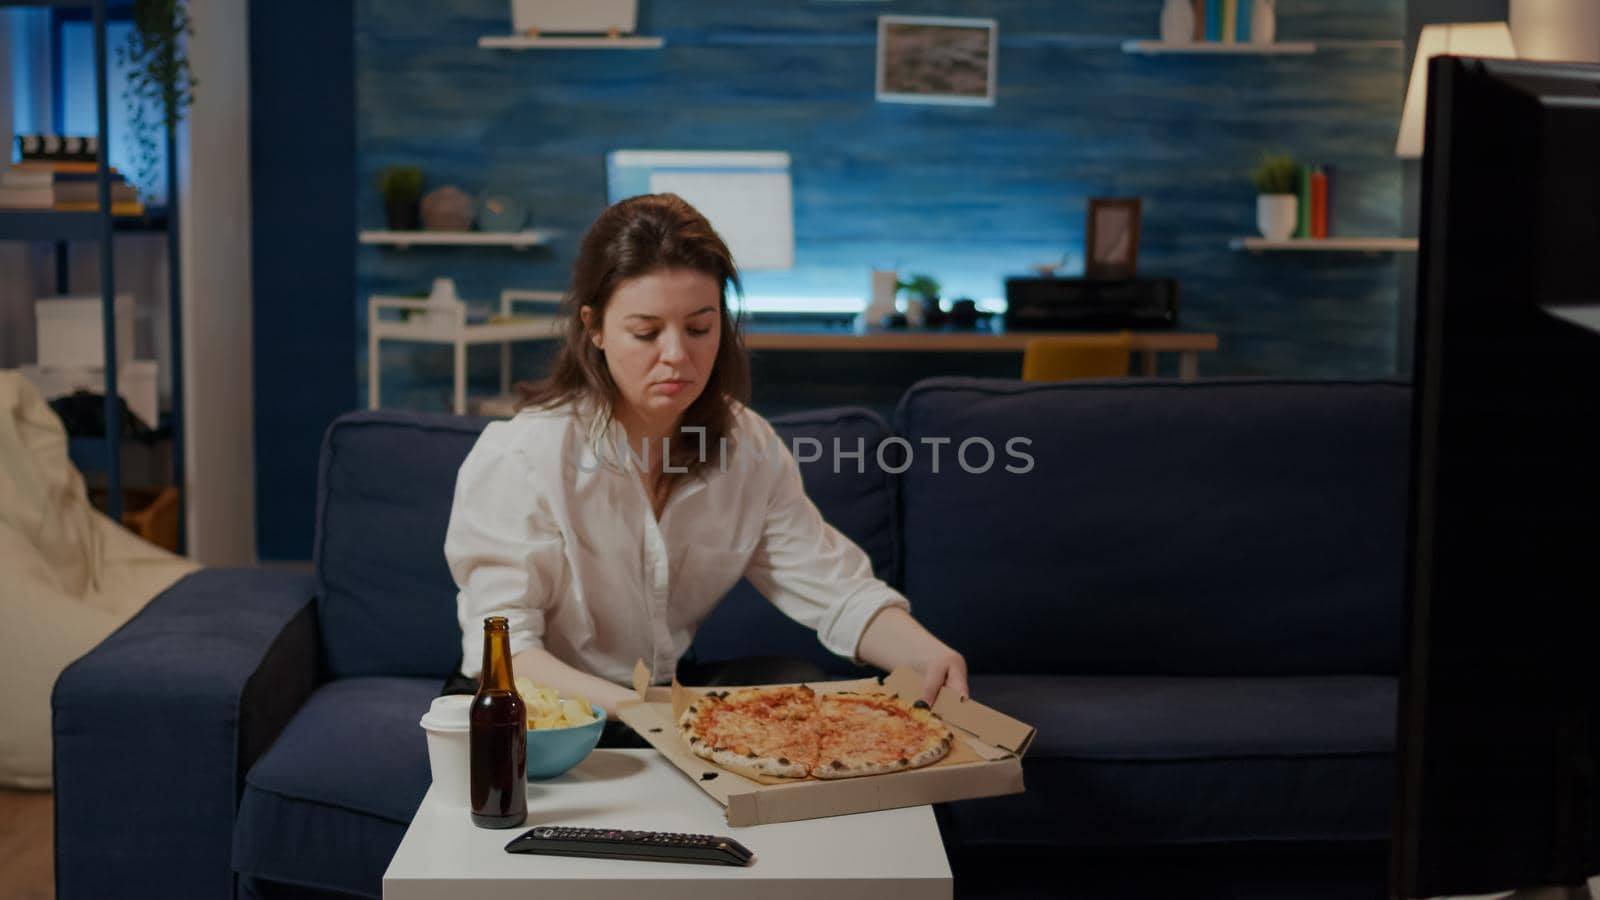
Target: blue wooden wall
column 969, row 195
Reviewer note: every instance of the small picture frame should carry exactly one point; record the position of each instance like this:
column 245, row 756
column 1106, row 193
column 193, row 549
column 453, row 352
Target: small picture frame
column 937, row 59
column 1111, row 244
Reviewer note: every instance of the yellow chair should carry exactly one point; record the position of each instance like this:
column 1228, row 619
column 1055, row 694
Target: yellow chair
column 1085, row 356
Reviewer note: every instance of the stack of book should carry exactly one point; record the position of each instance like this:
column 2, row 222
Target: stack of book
column 64, row 187
column 1316, row 201
column 1222, row 21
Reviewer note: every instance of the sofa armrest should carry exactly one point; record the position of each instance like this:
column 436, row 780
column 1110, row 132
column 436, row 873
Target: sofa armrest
column 156, row 727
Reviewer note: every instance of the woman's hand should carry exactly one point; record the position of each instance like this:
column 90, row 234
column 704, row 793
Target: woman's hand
column 946, row 671
column 894, row 639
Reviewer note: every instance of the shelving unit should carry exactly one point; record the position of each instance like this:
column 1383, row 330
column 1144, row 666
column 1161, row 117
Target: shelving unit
column 570, row 42
column 1333, row 244
column 517, row 240
column 61, row 227
column 1218, row 48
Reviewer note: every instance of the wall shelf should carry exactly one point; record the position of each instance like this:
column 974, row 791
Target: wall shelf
column 1218, row 48
column 517, row 240
column 1334, row 244
column 570, row 42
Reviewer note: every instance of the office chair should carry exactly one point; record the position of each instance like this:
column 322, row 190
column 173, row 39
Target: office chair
column 1085, row 356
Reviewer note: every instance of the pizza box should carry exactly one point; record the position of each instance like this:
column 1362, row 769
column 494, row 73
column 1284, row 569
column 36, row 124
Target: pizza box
column 985, row 761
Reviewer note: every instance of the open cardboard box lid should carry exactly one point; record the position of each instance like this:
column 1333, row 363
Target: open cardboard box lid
column 986, row 760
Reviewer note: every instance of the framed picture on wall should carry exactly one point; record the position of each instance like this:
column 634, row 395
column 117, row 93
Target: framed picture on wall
column 1111, row 245
column 936, row 59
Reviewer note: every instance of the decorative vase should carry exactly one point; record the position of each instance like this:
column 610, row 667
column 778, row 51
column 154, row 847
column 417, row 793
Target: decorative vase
column 1263, row 21
column 914, row 312
column 1177, row 22
column 1277, row 215
column 447, row 209
column 501, row 212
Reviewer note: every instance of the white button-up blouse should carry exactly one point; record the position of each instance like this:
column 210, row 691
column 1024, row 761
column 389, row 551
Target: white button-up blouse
column 552, row 528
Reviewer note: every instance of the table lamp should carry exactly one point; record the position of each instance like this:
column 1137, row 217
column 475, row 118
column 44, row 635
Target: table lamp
column 1555, row 30
column 1484, row 39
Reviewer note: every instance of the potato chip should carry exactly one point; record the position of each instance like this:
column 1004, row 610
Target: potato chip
column 546, row 708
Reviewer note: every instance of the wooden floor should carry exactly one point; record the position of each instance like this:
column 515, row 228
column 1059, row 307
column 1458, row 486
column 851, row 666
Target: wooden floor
column 27, row 866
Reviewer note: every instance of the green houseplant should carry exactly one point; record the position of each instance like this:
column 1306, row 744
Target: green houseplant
column 401, row 187
column 160, row 86
column 1277, row 179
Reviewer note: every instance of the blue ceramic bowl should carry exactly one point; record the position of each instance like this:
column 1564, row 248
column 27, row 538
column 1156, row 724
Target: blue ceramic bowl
column 552, row 751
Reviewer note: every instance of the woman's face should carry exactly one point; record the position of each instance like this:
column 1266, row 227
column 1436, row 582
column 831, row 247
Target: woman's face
column 660, row 335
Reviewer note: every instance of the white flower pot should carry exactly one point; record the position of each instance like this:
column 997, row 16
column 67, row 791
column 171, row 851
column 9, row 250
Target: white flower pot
column 1177, row 22
column 1277, row 215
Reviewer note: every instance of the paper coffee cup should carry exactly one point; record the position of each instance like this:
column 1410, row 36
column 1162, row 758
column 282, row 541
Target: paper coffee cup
column 449, row 746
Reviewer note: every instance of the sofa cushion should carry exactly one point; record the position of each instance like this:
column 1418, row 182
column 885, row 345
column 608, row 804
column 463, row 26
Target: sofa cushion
column 1218, row 527
column 858, row 500
column 326, row 806
column 1143, row 761
column 387, row 603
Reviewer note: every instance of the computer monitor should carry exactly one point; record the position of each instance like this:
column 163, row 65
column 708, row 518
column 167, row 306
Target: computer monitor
column 747, row 196
column 1499, row 719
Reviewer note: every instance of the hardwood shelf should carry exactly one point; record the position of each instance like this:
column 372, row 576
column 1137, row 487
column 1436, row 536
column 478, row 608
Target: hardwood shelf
column 1333, row 244
column 517, row 240
column 570, row 42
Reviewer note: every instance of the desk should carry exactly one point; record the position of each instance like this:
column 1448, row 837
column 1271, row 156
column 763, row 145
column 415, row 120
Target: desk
column 869, row 856
column 1188, row 345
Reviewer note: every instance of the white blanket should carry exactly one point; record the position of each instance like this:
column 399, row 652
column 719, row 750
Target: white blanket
column 69, row 576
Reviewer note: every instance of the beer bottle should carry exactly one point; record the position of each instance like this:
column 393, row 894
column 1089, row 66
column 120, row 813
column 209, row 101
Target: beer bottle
column 498, row 735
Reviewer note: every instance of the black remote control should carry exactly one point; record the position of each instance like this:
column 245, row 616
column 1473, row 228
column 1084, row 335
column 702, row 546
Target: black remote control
column 616, row 843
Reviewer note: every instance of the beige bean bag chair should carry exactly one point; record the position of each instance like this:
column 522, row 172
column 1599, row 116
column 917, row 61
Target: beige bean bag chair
column 68, row 576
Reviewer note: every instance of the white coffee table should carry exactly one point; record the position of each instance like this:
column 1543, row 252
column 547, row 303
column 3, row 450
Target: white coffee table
column 894, row 853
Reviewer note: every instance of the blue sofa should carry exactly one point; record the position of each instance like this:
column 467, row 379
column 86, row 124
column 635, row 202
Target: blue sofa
column 1193, row 594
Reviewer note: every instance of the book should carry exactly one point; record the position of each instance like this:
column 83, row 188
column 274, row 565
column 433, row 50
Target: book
column 1241, row 34
column 58, row 166
column 1230, row 20
column 1302, row 228
column 117, row 209
column 24, row 178
column 1319, row 203
column 27, row 197
column 1328, row 173
column 1213, row 20
column 1200, row 19
column 20, row 177
column 89, row 192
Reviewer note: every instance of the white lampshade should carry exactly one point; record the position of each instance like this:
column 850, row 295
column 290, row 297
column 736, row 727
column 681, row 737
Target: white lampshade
column 1484, row 39
column 1565, row 30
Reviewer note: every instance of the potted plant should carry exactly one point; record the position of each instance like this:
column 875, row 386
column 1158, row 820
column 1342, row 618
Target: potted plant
column 922, row 303
column 160, row 87
column 401, row 187
column 1277, row 201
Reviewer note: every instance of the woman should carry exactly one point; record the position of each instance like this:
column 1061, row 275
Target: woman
column 634, row 488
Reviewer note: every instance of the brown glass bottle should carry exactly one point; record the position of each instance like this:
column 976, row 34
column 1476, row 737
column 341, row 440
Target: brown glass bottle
column 498, row 736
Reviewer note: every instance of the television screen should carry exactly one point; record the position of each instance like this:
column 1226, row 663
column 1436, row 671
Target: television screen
column 1499, row 720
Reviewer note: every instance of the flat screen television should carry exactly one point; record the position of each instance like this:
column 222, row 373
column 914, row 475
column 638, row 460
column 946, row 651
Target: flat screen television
column 1499, row 719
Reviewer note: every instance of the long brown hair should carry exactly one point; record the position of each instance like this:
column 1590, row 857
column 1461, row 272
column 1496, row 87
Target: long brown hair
column 631, row 239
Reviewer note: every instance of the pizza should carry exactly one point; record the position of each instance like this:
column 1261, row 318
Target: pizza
column 794, row 732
